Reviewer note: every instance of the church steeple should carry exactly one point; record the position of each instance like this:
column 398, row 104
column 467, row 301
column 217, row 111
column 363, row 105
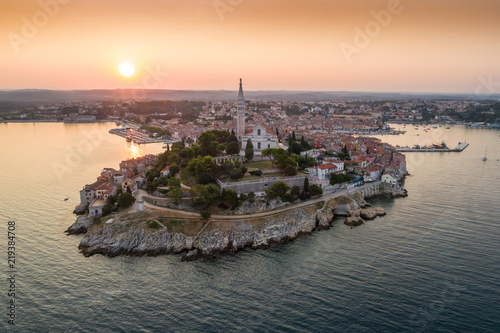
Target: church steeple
column 240, row 93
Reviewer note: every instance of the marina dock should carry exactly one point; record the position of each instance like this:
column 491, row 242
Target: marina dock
column 461, row 146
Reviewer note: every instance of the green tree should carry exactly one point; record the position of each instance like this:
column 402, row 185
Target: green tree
column 290, row 171
column 316, row 190
column 249, row 150
column 197, row 193
column 206, row 139
column 174, row 183
column 233, row 148
column 212, row 193
column 236, row 174
column 125, row 200
column 163, row 180
column 107, row 209
column 176, row 195
column 270, row 153
column 278, row 189
column 337, row 178
column 174, row 169
column 229, row 196
column 174, row 157
column 306, row 185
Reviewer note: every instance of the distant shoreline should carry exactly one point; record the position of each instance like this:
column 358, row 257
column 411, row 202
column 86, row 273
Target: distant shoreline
column 53, row 121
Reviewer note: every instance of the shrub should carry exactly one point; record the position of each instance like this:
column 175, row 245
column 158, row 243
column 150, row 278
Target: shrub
column 223, row 206
column 205, row 215
column 108, row 208
column 287, row 197
column 256, row 173
column 125, row 200
column 316, row 190
column 154, row 225
column 290, row 171
column 236, row 174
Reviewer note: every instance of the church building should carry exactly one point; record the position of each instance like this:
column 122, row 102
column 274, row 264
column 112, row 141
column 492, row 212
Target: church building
column 262, row 136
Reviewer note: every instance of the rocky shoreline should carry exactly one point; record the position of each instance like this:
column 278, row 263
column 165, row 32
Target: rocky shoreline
column 151, row 233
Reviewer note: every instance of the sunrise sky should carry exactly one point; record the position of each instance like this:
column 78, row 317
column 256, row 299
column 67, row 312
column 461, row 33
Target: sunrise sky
column 422, row 46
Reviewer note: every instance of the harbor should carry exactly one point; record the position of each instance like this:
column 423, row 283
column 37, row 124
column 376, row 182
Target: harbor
column 435, row 148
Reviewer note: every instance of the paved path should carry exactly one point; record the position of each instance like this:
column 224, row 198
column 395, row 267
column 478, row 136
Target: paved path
column 181, row 213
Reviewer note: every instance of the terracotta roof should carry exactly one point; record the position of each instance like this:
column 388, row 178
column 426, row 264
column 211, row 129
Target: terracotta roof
column 327, row 166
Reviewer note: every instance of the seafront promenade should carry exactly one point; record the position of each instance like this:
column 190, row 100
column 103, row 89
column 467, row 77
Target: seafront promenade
column 190, row 215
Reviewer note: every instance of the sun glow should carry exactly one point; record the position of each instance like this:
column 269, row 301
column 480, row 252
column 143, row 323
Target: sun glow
column 134, row 151
column 127, row 69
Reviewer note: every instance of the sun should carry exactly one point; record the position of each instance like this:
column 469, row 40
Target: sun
column 127, row 69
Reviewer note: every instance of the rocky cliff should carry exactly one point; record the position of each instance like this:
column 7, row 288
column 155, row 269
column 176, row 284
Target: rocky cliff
column 151, row 233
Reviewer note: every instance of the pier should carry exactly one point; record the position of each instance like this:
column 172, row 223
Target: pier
column 461, row 146
column 135, row 136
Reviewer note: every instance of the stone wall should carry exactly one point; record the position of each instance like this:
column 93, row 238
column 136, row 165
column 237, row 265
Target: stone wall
column 261, row 185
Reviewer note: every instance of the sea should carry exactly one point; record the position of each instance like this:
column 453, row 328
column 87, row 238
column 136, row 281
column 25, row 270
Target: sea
column 432, row 264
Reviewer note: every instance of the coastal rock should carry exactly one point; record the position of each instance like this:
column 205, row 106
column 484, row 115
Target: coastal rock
column 190, row 256
column 323, row 222
column 80, row 226
column 353, row 221
column 399, row 193
column 371, row 213
column 124, row 238
column 131, row 234
column 342, row 211
column 355, row 212
column 380, row 211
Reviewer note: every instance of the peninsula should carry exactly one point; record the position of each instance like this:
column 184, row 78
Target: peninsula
column 225, row 190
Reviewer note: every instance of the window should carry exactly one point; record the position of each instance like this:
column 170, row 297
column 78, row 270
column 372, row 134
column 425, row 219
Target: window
column 258, row 132
column 258, row 145
column 268, row 146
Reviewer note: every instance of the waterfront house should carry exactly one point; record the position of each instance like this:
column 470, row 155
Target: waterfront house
column 389, row 177
column 88, row 193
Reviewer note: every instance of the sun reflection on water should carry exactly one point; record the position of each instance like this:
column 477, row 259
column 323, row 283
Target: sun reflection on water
column 134, row 150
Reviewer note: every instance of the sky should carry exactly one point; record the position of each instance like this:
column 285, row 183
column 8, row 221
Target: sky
column 314, row 45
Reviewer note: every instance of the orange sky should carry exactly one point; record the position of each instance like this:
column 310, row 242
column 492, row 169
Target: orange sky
column 427, row 46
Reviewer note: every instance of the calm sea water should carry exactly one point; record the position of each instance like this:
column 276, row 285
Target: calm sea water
column 431, row 264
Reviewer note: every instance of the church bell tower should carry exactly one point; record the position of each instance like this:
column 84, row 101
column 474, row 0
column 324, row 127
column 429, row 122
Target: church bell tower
column 240, row 126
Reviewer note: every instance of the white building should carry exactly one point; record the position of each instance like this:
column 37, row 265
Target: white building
column 165, row 171
column 389, row 178
column 262, row 138
column 323, row 170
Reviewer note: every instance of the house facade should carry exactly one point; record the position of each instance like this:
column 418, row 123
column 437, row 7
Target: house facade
column 324, row 170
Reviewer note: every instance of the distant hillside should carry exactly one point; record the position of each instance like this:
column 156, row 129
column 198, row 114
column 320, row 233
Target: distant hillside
column 35, row 96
